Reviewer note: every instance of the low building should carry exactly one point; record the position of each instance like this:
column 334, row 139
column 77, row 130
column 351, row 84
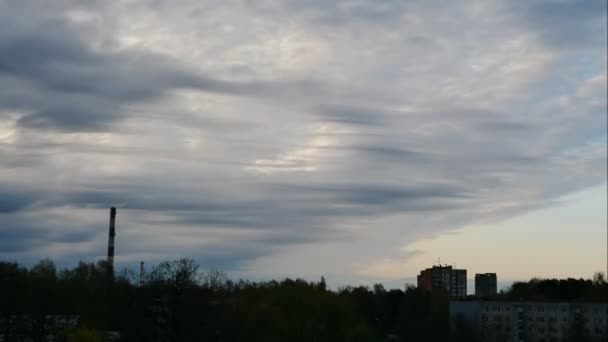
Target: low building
column 485, row 285
column 530, row 321
column 454, row 281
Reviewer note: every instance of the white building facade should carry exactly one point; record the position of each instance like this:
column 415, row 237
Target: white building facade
column 531, row 321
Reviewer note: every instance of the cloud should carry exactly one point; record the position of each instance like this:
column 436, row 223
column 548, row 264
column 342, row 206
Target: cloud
column 24, row 235
column 13, row 201
column 569, row 24
column 353, row 115
column 254, row 135
column 70, row 85
column 344, row 12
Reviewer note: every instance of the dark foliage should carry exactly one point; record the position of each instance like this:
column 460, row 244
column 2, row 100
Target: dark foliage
column 178, row 302
column 564, row 290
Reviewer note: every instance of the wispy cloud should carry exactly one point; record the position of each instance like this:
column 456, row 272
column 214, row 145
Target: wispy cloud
column 254, row 135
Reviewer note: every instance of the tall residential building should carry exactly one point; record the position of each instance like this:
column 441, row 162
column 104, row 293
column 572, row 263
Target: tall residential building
column 529, row 321
column 485, row 285
column 452, row 280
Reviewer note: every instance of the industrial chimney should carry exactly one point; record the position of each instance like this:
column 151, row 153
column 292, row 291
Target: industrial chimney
column 111, row 237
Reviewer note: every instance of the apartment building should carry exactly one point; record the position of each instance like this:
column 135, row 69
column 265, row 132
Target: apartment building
column 454, row 281
column 531, row 321
column 485, row 285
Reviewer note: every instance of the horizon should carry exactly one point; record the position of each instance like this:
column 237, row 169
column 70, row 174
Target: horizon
column 132, row 275
column 354, row 140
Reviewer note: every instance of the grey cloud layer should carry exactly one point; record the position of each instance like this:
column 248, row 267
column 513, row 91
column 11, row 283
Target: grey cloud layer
column 230, row 130
column 66, row 84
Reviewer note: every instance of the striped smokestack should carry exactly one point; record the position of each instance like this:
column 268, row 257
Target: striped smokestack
column 111, row 235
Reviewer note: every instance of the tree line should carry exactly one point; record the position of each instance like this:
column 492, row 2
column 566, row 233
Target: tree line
column 176, row 301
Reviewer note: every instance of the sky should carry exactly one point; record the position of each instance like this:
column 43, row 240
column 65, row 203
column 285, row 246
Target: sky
column 358, row 140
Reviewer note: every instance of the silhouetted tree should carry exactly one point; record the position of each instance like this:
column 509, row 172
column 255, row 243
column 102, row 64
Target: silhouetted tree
column 214, row 279
column 43, row 282
column 599, row 279
column 179, row 303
